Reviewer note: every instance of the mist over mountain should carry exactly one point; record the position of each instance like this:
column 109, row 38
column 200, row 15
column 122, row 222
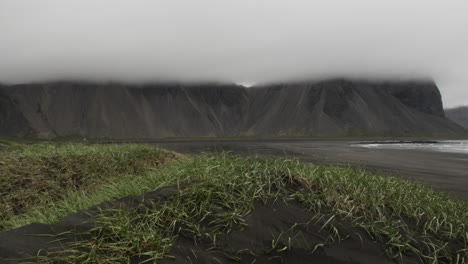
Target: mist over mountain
column 337, row 107
column 240, row 41
column 459, row 115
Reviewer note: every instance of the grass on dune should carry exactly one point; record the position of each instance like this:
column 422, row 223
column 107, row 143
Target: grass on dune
column 408, row 218
column 8, row 145
column 37, row 176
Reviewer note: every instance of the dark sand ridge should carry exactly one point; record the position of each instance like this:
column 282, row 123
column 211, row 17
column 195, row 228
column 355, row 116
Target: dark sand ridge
column 444, row 171
column 266, row 222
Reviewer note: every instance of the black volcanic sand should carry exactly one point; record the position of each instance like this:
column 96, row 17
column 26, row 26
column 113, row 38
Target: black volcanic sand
column 447, row 172
column 269, row 220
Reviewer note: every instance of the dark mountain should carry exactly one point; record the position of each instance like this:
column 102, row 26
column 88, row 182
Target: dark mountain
column 459, row 115
column 328, row 108
column 12, row 121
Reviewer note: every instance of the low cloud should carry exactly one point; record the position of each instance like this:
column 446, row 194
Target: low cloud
column 235, row 41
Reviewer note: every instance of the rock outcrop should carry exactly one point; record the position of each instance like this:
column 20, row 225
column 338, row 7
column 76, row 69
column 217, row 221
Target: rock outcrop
column 327, row 108
column 458, row 115
column 12, row 121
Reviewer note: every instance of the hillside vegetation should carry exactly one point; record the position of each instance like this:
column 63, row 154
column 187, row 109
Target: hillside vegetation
column 39, row 175
column 217, row 207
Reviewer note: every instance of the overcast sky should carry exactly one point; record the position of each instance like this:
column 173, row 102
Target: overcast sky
column 236, row 41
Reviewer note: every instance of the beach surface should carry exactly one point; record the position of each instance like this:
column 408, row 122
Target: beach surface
column 442, row 170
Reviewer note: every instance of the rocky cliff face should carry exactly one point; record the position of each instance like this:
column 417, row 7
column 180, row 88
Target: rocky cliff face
column 459, row 115
column 12, row 121
column 341, row 107
column 327, row 108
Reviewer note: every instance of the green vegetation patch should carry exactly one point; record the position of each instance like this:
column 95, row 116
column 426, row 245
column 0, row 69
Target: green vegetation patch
column 8, row 145
column 215, row 194
column 40, row 175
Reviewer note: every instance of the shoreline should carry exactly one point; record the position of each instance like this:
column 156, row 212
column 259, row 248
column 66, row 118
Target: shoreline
column 441, row 170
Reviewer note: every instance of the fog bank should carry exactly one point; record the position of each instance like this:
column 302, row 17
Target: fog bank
column 245, row 42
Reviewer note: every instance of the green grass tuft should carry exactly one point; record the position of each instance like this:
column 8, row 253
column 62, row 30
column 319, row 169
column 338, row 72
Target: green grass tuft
column 40, row 175
column 8, row 145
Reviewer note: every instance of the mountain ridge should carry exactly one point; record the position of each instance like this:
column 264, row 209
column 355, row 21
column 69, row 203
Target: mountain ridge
column 458, row 115
column 337, row 107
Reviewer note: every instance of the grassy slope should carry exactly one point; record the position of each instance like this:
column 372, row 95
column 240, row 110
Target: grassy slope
column 7, row 144
column 38, row 176
column 406, row 217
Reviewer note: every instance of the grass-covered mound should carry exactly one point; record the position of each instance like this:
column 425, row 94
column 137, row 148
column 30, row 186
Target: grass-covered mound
column 8, row 145
column 238, row 209
column 36, row 177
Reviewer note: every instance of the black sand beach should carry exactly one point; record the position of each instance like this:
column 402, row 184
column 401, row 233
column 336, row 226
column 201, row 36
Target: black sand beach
column 444, row 171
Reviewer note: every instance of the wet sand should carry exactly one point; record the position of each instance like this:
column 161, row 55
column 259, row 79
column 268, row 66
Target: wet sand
column 444, row 171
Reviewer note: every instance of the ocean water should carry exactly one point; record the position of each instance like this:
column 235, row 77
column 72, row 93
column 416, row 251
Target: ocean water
column 453, row 146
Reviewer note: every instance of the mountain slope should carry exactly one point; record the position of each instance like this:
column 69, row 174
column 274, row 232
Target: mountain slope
column 459, row 115
column 341, row 107
column 329, row 108
column 12, row 121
